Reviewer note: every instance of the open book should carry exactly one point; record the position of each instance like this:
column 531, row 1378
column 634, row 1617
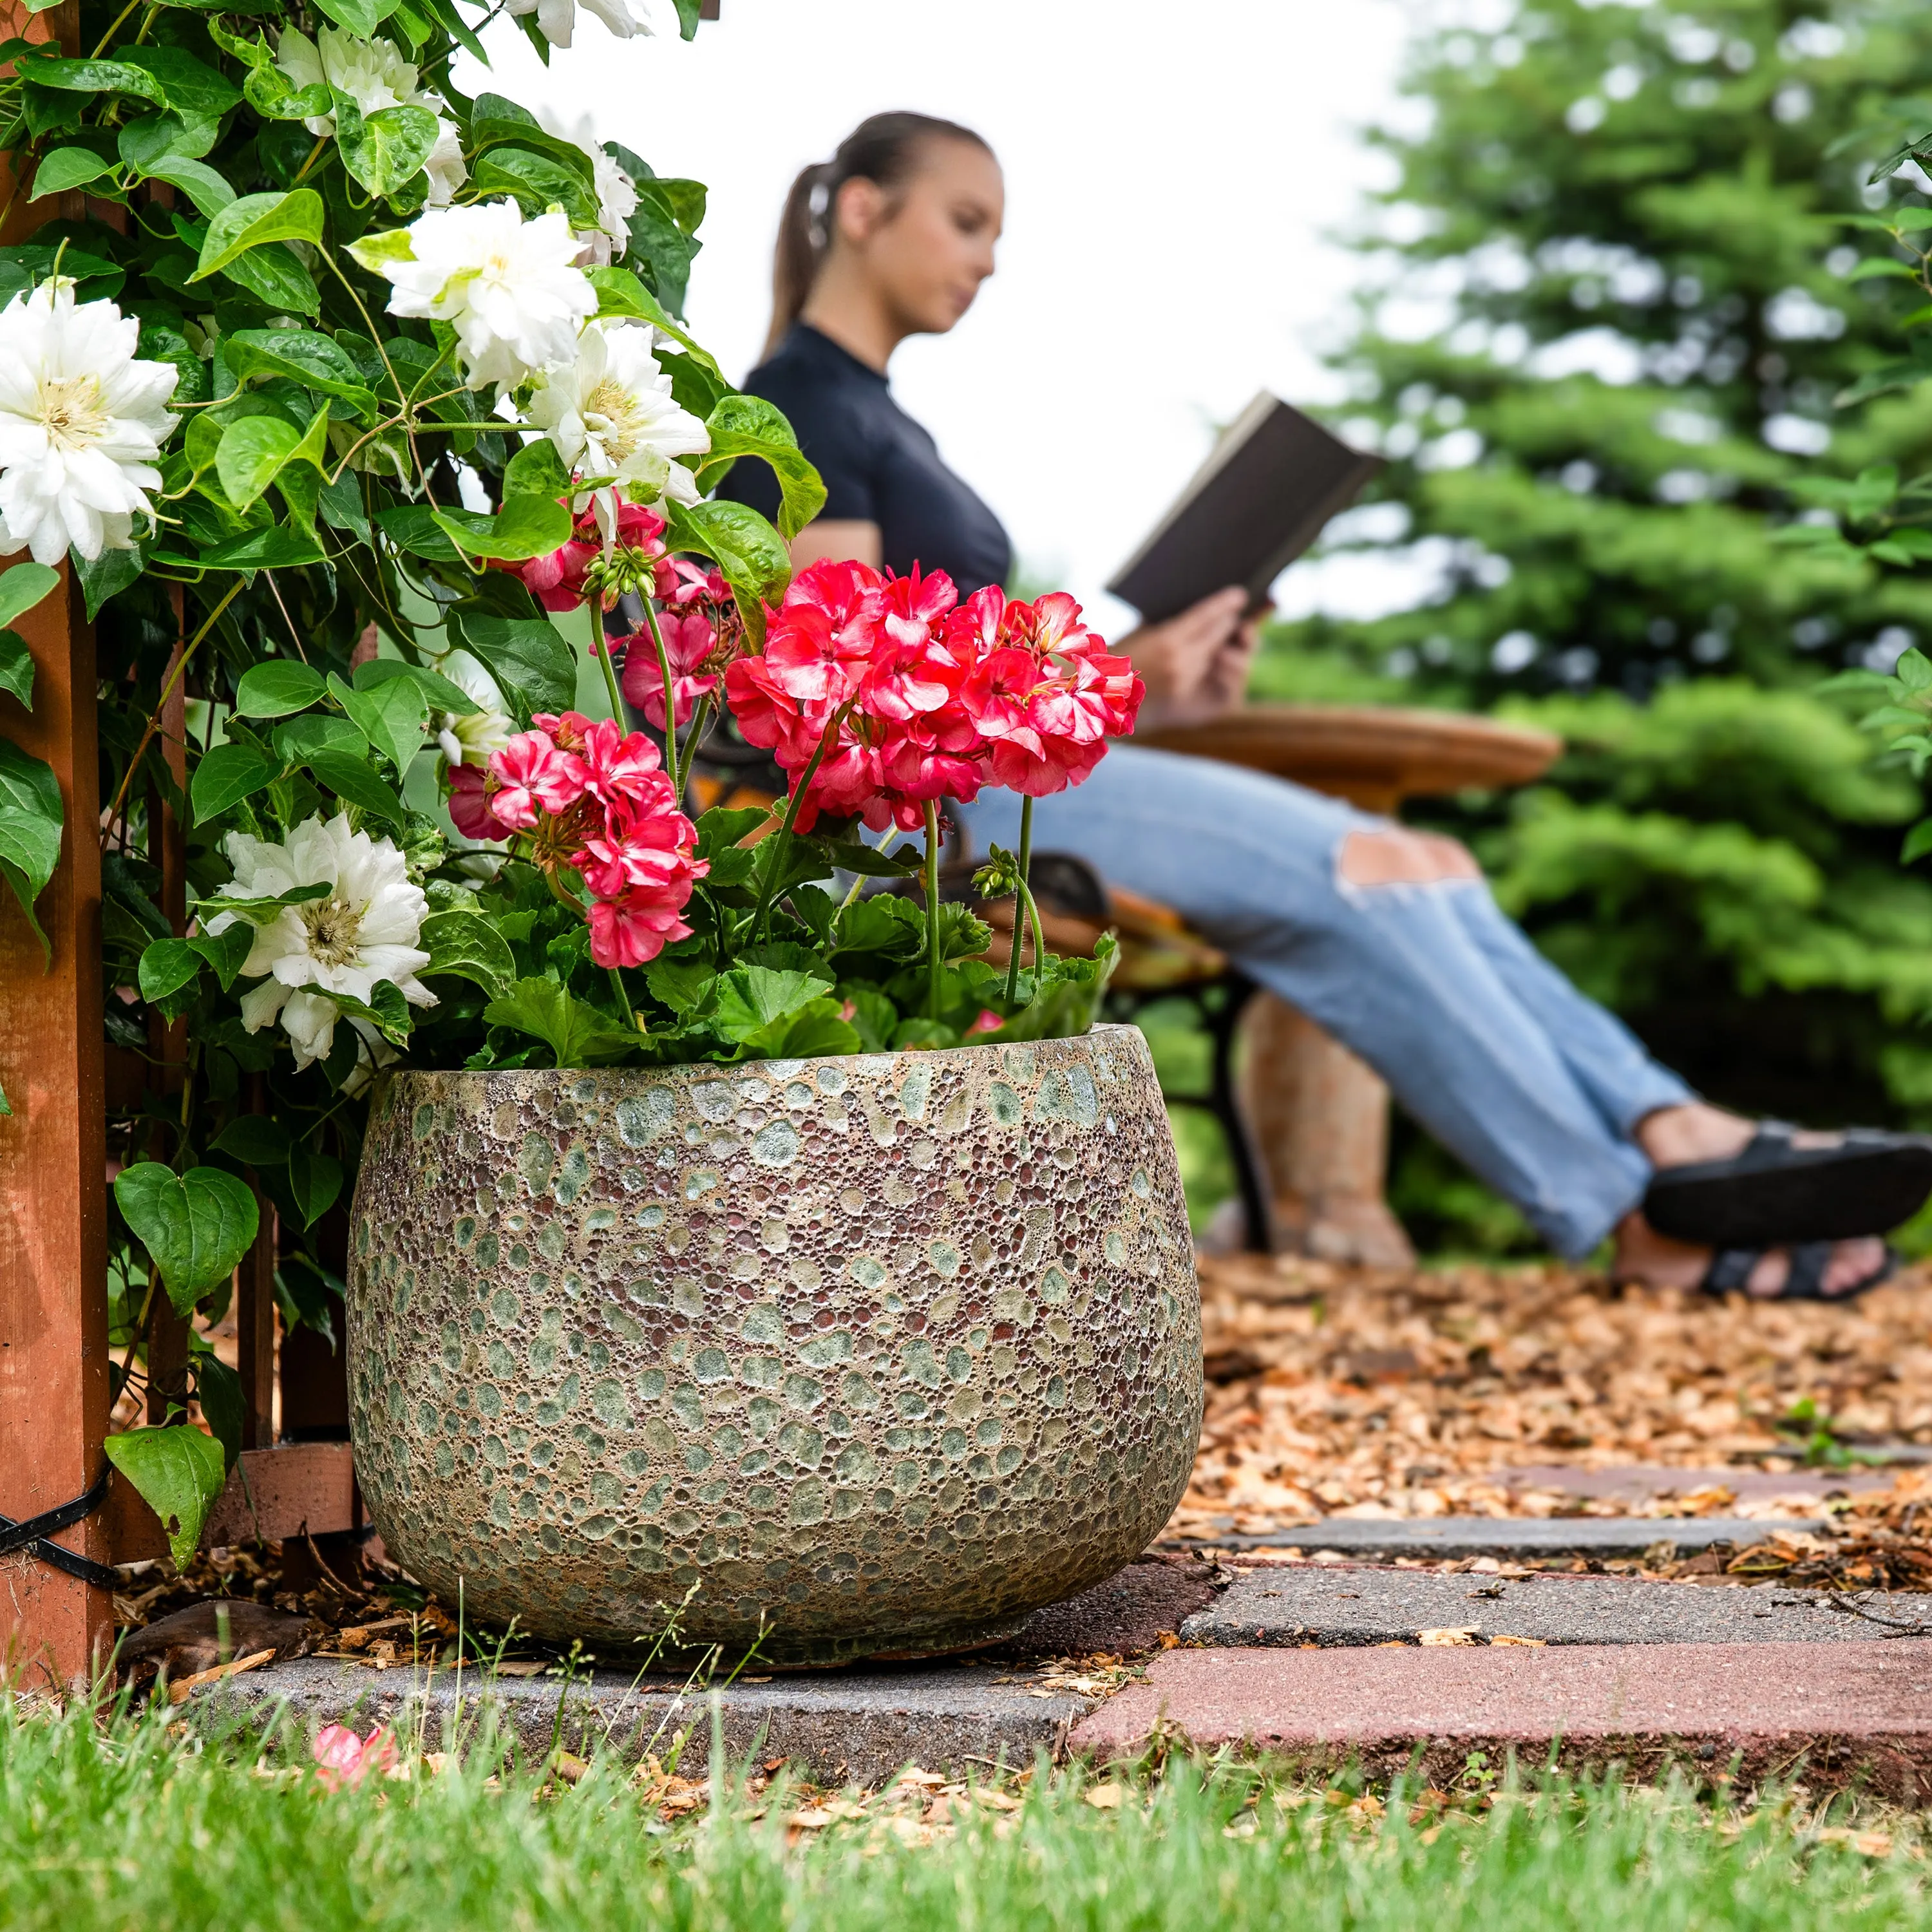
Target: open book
column 1269, row 485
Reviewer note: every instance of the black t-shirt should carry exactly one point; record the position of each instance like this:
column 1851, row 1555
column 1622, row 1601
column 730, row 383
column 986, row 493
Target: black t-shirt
column 879, row 465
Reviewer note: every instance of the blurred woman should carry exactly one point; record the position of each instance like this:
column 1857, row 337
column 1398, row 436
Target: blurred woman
column 1387, row 938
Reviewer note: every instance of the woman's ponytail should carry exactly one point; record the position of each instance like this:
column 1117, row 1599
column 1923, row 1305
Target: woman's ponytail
column 885, row 149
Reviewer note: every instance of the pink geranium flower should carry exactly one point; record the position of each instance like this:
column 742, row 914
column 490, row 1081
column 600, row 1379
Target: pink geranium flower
column 559, row 580
column 471, row 792
column 343, row 1757
column 618, row 765
column 645, row 841
column 689, row 639
column 633, row 929
column 533, row 775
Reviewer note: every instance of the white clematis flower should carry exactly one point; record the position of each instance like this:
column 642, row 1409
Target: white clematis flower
column 374, row 74
column 80, row 419
column 557, row 19
column 617, row 193
column 610, row 415
column 469, row 739
column 365, row 930
column 510, row 288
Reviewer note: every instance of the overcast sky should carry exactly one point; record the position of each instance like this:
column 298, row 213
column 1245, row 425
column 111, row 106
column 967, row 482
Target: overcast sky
column 1173, row 173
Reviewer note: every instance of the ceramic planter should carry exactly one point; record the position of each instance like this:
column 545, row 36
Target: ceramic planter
column 880, row 1353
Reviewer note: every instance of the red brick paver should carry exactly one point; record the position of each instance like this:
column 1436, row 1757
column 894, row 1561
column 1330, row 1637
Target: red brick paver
column 1848, row 1711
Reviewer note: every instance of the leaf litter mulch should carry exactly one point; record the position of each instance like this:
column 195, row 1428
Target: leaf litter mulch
column 1334, row 1391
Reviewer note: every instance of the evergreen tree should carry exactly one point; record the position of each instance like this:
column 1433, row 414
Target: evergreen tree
column 1607, row 324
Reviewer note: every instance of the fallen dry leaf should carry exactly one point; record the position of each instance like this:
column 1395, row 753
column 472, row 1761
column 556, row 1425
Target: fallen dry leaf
column 178, row 1693
column 1105, row 1797
column 1465, row 1634
column 1524, row 1642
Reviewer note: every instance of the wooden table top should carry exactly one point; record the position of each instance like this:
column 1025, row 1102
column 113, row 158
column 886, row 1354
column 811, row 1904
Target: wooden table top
column 1374, row 756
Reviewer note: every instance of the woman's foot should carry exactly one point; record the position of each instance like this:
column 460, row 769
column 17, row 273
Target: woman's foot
column 1677, row 1136
column 1653, row 1260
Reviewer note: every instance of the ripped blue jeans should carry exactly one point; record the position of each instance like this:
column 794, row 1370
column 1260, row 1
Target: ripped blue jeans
column 1536, row 1088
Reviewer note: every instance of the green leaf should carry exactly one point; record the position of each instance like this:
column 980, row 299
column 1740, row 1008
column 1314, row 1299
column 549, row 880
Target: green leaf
column 536, row 180
column 273, row 96
column 275, row 278
column 682, row 984
column 255, row 220
column 192, row 85
column 743, row 426
column 441, row 694
column 577, row 1035
column 226, row 951
column 141, row 143
column 817, row 1032
column 526, row 526
column 210, row 190
column 315, row 1180
column 107, row 575
column 22, row 587
column 1875, row 265
column 749, row 999
column 412, row 528
column 752, row 555
column 351, row 780
column 16, row 667
column 722, row 827
column 536, row 470
column 689, row 13
column 196, row 1226
column 261, row 911
column 529, row 659
column 68, row 167
column 167, row 966
column 97, row 76
column 251, row 454
column 179, row 1473
column 303, row 355
column 226, row 776
column 391, row 716
column 219, row 1389
column 277, row 547
column 274, row 689
column 254, row 1140
column 31, row 816
column 619, row 292
column 1914, row 670
column 385, row 149
column 361, row 17
column 300, row 739
column 466, row 944
column 1917, row 842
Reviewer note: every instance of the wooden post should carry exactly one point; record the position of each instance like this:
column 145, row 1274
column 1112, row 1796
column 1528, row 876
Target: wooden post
column 53, row 1148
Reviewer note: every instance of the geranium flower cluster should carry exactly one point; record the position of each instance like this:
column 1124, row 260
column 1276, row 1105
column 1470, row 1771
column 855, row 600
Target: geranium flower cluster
column 578, row 792
column 905, row 696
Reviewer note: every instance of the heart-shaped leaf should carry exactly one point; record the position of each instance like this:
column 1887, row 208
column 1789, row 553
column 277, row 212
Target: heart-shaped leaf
column 526, row 526
column 251, row 453
column 31, row 816
column 196, row 1226
column 168, row 965
column 750, row 426
column 315, row 1180
column 528, row 657
column 255, row 220
column 275, row 548
column 210, row 190
column 391, row 716
column 179, row 1473
column 254, row 1140
column 385, row 149
column 351, row 780
column 16, row 667
column 23, row 586
column 68, row 167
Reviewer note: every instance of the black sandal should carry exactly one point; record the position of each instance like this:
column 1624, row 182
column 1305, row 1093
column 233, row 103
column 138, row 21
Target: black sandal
column 1731, row 1269
column 1774, row 1195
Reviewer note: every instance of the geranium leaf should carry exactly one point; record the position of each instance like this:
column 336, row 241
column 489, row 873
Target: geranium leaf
column 226, row 776
column 196, row 1226
column 275, row 689
column 179, row 1473
column 526, row 526
column 741, row 426
column 68, row 167
column 353, row 781
column 529, row 658
column 391, row 716
column 467, row 944
column 750, row 999
column 577, row 1034
column 255, row 220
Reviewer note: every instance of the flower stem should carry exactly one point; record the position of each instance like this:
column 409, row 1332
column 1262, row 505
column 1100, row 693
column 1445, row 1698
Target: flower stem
column 1022, row 903
column 154, row 722
column 600, row 646
column 858, row 881
column 700, row 723
column 784, row 833
column 623, row 998
column 664, row 671
column 931, row 909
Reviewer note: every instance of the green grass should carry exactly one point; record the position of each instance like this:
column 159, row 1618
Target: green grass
column 128, row 1827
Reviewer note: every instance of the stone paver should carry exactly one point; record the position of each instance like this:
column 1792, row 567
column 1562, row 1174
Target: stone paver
column 1850, row 1711
column 1639, row 1482
column 1343, row 1605
column 1522, row 1537
column 857, row 1726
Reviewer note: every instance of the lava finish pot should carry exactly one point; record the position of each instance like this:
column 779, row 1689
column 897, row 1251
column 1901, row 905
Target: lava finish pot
column 876, row 1355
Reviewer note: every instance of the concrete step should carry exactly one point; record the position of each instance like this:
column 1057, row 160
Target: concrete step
column 1341, row 1605
column 1641, row 1482
column 1839, row 1713
column 1525, row 1538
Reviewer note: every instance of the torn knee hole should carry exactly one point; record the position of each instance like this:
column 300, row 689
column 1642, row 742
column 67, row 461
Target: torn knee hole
column 1397, row 857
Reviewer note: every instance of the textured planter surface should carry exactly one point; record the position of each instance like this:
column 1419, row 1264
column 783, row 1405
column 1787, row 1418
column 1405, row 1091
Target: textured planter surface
column 886, row 1352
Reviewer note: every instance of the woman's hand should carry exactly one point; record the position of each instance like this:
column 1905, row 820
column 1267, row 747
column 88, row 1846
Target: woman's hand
column 1197, row 664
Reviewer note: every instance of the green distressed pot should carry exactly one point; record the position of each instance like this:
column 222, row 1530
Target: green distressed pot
column 877, row 1353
